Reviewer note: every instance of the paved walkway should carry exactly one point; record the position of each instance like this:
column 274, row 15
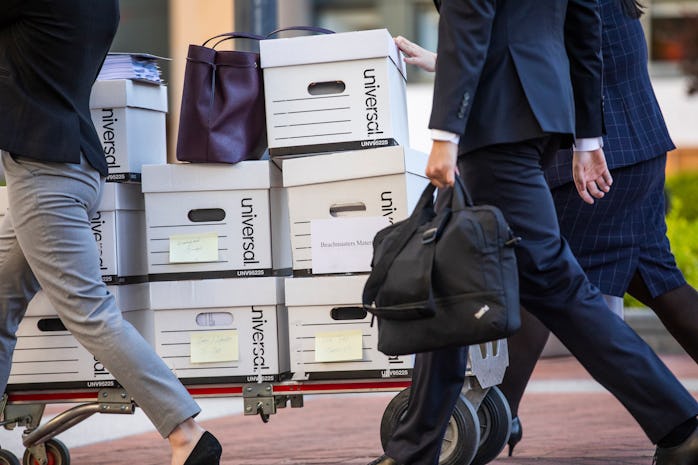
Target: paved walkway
column 568, row 419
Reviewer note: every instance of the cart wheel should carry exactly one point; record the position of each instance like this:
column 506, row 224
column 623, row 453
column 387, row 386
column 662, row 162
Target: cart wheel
column 462, row 433
column 495, row 424
column 8, row 458
column 56, row 452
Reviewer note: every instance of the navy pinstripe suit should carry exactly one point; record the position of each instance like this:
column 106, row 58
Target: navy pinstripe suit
column 625, row 232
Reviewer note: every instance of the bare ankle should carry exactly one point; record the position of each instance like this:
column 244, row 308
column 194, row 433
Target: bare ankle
column 185, row 434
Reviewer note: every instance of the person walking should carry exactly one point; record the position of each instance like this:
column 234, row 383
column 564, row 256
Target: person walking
column 50, row 54
column 516, row 80
column 620, row 242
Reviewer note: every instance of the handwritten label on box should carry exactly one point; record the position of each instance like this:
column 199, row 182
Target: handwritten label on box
column 338, row 346
column 214, row 346
column 344, row 245
column 194, row 248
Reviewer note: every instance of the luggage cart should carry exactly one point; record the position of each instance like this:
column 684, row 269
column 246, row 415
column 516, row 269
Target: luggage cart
column 477, row 433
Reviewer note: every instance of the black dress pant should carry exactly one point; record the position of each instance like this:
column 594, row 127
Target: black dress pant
column 555, row 289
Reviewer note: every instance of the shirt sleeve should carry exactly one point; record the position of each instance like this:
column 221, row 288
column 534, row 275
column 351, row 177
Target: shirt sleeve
column 588, row 144
column 438, row 134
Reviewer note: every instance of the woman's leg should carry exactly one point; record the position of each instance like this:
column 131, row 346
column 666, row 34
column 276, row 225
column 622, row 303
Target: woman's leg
column 51, row 206
column 525, row 347
column 677, row 309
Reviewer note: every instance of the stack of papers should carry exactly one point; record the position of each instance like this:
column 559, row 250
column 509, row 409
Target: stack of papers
column 136, row 66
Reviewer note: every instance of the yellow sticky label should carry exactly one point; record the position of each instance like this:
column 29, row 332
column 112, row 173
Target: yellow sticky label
column 214, row 346
column 194, row 248
column 338, row 346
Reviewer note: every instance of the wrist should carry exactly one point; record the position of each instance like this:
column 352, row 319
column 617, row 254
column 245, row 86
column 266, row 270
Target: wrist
column 438, row 135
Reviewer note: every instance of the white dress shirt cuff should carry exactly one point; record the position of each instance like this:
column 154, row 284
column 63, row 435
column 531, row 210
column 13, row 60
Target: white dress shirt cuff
column 588, row 144
column 438, row 134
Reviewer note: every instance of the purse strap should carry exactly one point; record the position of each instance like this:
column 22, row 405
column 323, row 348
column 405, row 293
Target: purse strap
column 232, row 35
column 319, row 30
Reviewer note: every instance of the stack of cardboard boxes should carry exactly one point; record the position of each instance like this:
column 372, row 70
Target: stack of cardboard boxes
column 130, row 120
column 254, row 271
column 217, row 240
column 337, row 124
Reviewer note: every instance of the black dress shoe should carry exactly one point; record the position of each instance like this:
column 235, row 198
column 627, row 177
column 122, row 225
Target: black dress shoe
column 515, row 435
column 685, row 453
column 206, row 452
column 383, row 460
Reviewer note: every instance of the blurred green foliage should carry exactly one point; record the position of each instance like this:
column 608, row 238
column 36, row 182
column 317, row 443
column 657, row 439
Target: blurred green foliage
column 682, row 226
column 683, row 188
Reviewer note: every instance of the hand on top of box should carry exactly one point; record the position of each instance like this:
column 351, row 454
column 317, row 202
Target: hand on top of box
column 416, row 55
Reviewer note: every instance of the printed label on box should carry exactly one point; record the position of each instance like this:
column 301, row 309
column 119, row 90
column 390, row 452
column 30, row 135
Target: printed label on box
column 194, row 248
column 344, row 245
column 214, row 346
column 339, row 346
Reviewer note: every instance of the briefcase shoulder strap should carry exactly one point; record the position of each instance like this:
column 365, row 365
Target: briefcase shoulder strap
column 406, row 228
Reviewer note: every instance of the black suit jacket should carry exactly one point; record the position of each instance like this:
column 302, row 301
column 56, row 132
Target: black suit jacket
column 511, row 70
column 50, row 54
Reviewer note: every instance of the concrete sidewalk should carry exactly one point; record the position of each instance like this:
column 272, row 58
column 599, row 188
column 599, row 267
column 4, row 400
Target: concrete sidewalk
column 567, row 419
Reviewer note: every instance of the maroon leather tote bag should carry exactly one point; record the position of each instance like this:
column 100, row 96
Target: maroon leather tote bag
column 222, row 118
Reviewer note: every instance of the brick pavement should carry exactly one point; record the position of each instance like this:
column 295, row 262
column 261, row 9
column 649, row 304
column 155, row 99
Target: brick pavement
column 589, row 428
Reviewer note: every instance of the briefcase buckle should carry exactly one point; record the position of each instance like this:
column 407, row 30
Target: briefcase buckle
column 429, row 235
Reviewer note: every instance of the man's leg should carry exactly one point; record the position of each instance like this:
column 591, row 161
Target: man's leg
column 437, row 380
column 555, row 289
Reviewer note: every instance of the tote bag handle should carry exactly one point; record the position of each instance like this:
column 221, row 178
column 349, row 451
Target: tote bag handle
column 319, row 30
column 232, row 35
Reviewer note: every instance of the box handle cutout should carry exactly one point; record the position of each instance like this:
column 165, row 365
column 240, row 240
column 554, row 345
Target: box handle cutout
column 339, row 208
column 348, row 313
column 326, row 87
column 203, row 215
column 214, row 319
column 51, row 324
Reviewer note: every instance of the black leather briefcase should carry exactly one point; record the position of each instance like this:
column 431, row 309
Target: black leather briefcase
column 444, row 278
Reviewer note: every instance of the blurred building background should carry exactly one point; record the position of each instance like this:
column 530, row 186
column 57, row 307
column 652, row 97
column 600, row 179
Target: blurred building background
column 167, row 27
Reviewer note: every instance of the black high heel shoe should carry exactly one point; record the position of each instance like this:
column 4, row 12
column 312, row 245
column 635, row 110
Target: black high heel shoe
column 515, row 435
column 206, row 452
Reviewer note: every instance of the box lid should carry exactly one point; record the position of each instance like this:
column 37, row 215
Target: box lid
column 325, row 48
column 128, row 298
column 216, row 293
column 353, row 164
column 121, row 196
column 178, row 177
column 117, row 93
column 325, row 290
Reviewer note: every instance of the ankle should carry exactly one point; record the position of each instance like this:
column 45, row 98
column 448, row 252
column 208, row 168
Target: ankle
column 186, row 434
column 679, row 434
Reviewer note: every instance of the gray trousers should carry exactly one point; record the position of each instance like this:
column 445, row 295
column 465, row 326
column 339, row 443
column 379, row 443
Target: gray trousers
column 46, row 242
